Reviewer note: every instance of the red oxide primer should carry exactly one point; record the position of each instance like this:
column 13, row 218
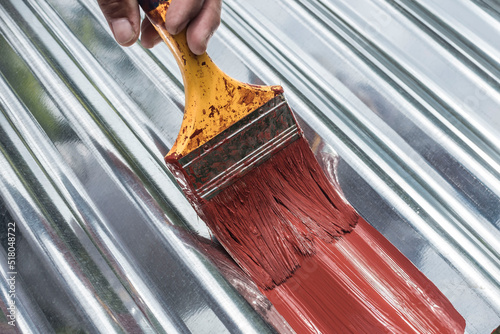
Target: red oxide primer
column 322, row 266
column 362, row 284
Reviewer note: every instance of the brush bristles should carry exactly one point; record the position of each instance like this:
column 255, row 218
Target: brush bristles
column 269, row 220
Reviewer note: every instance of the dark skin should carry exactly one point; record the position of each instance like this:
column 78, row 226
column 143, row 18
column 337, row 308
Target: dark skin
column 200, row 17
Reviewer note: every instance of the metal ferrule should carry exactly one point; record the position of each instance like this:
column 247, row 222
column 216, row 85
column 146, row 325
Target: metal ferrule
column 240, row 148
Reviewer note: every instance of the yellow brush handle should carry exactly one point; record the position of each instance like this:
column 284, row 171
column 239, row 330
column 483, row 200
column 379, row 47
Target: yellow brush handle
column 214, row 101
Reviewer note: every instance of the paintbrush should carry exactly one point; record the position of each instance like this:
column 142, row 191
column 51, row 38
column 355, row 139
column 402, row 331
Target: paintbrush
column 243, row 162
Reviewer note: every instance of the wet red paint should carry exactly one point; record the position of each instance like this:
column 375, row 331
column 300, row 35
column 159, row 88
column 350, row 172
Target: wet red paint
column 322, row 266
column 362, row 284
column 270, row 218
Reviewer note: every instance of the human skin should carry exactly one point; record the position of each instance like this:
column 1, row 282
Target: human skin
column 200, row 18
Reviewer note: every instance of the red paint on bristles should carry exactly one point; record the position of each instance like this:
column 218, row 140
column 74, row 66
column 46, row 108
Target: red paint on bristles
column 269, row 219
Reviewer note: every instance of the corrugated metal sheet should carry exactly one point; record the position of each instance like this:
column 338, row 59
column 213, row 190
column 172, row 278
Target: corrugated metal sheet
column 405, row 92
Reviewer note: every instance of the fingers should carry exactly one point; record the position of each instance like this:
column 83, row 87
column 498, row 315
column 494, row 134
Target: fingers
column 201, row 17
column 203, row 26
column 123, row 19
column 180, row 13
column 149, row 35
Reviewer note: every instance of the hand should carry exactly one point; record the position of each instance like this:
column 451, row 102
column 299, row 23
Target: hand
column 201, row 17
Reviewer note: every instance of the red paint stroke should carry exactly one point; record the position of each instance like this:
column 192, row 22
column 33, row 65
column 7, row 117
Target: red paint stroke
column 362, row 284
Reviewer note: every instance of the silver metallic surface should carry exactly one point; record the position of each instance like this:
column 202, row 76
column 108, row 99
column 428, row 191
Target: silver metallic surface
column 406, row 93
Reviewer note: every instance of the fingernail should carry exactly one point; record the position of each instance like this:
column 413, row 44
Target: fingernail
column 122, row 29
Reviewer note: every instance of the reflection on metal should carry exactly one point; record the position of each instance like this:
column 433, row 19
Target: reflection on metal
column 407, row 93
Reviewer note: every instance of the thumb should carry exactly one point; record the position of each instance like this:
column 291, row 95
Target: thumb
column 123, row 19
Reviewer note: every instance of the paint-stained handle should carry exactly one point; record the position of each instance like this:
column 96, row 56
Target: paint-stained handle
column 214, row 101
column 156, row 11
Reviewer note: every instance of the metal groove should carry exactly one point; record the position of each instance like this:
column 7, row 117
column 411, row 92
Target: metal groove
column 466, row 42
column 78, row 202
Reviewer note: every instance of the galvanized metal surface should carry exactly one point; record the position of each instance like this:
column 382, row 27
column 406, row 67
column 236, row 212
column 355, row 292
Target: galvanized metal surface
column 405, row 92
